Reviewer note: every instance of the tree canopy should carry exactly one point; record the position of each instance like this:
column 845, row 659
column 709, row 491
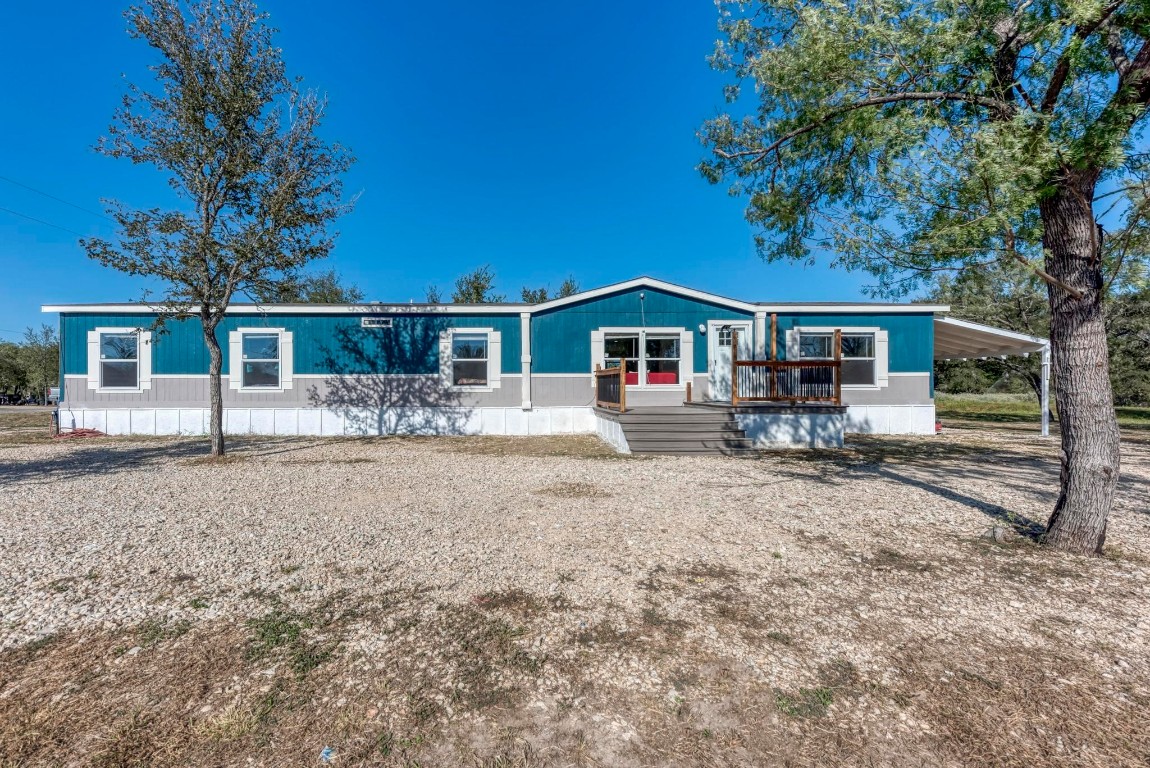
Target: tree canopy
column 908, row 138
column 239, row 142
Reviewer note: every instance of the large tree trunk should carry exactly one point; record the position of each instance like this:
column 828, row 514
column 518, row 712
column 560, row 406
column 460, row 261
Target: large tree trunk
column 215, row 369
column 1090, row 440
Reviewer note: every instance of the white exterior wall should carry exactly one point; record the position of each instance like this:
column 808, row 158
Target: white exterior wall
column 334, row 423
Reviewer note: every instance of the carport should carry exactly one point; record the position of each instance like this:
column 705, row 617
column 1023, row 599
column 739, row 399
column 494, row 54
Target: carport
column 963, row 340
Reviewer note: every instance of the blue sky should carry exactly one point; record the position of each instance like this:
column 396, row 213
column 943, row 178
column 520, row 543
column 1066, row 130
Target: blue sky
column 542, row 139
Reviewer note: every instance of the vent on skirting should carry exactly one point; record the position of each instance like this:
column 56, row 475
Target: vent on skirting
column 375, row 322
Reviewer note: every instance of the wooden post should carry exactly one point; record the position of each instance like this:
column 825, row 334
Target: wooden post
column 688, row 391
column 774, row 336
column 838, row 366
column 622, row 385
column 734, row 367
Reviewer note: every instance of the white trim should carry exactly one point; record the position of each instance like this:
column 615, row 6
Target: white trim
column 686, row 347
column 494, row 359
column 517, row 308
column 143, row 360
column 236, row 360
column 525, row 358
column 645, row 282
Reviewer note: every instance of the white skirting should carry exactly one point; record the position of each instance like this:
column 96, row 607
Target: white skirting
column 792, row 430
column 611, row 432
column 329, row 422
column 891, row 419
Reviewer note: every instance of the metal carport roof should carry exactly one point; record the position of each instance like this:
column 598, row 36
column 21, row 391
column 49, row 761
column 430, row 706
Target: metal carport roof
column 962, row 340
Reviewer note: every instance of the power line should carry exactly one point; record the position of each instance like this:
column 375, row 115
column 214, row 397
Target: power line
column 41, row 221
column 57, row 199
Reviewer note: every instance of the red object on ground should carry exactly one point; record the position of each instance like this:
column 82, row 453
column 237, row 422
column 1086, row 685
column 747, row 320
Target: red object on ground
column 80, row 433
column 938, row 427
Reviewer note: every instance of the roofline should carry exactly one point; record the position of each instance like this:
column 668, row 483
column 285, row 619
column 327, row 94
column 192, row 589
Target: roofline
column 300, row 309
column 993, row 331
column 644, row 282
column 518, row 308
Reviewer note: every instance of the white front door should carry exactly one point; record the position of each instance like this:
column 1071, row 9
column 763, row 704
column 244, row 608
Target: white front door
column 719, row 334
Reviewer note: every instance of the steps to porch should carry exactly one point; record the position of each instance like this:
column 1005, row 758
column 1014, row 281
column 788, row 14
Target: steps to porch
column 683, row 431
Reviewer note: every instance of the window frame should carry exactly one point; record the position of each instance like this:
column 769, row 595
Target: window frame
column 875, row 335
column 278, row 360
column 486, row 359
column 95, row 374
column 135, row 361
column 236, row 360
column 600, row 337
column 494, row 358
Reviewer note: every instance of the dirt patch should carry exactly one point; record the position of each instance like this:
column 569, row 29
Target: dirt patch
column 572, row 491
column 582, row 446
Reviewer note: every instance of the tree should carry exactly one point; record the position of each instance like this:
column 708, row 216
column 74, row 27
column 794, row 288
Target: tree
column 321, row 288
column 433, row 295
column 1128, row 329
column 239, row 142
column 39, row 356
column 910, row 138
column 13, row 377
column 540, row 295
column 476, row 287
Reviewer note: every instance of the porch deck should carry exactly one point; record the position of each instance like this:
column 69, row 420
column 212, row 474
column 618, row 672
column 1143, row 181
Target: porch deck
column 709, row 428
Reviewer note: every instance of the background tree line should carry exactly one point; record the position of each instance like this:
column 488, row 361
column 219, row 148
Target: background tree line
column 30, row 366
column 1011, row 296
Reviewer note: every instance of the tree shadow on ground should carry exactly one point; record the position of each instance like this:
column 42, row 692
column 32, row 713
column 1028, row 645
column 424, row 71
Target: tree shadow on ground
column 110, row 455
column 386, row 381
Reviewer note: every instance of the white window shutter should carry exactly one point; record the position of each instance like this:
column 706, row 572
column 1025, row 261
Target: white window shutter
column 287, row 359
column 596, row 352
column 445, row 358
column 881, row 358
column 145, row 359
column 93, row 359
column 235, row 360
column 494, row 358
column 793, row 344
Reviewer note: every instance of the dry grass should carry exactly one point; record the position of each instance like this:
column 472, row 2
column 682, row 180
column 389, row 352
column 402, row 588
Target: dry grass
column 582, row 446
column 393, row 682
column 25, row 425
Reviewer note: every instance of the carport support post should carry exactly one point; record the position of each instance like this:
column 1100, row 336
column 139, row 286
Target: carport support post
column 1046, row 390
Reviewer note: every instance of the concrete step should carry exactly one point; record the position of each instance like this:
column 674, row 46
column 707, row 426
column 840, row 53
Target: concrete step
column 693, row 437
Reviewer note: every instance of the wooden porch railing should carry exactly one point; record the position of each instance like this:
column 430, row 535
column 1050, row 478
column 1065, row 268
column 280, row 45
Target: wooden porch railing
column 794, row 381
column 610, row 388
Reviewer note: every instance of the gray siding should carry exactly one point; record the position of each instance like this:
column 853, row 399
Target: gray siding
column 900, row 390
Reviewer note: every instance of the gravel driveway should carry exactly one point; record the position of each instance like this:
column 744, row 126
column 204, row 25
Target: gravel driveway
column 782, row 567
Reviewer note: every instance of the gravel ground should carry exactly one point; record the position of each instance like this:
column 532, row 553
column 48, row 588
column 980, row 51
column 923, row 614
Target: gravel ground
column 779, row 566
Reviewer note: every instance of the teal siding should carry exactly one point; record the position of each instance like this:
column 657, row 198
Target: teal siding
column 911, row 336
column 561, row 338
column 324, row 344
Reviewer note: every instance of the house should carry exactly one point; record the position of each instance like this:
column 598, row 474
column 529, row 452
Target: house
column 775, row 373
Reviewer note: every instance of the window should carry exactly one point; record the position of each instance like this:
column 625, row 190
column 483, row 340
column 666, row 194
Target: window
column 261, row 360
column 622, row 350
column 649, row 357
column 858, row 354
column 469, row 353
column 120, row 360
column 662, row 357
